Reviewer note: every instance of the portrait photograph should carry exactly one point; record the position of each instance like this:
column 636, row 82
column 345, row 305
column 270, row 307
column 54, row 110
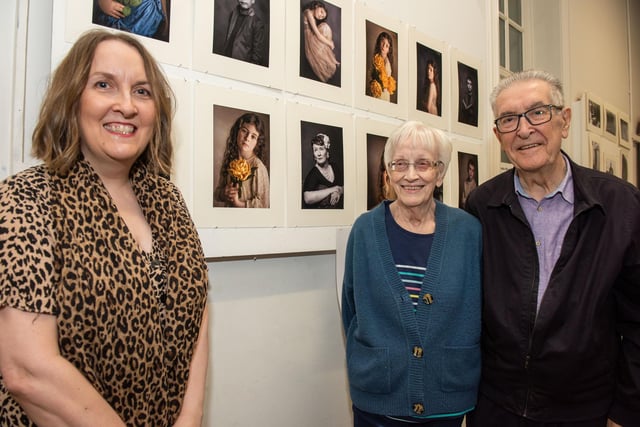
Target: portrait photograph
column 320, row 41
column 371, row 137
column 316, row 42
column 593, row 111
column 158, row 24
column 241, row 146
column 378, row 188
column 467, row 116
column 624, row 164
column 322, row 160
column 382, row 63
column 467, row 176
column 241, row 30
column 238, row 173
column 234, row 39
column 148, row 18
column 611, row 123
column 624, row 132
column 610, row 158
column 594, row 151
column 320, row 167
column 467, row 94
column 381, row 57
column 429, row 80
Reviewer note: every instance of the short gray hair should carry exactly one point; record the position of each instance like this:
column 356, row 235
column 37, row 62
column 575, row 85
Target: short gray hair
column 557, row 96
column 421, row 136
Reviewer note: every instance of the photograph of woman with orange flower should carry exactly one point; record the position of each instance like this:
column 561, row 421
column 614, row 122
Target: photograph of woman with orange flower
column 243, row 177
column 381, row 83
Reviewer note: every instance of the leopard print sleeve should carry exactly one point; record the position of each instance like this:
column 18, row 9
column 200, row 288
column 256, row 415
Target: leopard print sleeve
column 27, row 271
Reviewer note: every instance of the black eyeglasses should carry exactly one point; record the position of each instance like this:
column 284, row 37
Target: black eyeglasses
column 421, row 165
column 535, row 116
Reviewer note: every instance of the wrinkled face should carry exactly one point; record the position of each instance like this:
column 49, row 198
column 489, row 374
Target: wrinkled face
column 412, row 187
column 320, row 154
column 532, row 148
column 384, row 47
column 116, row 112
column 247, row 139
column 319, row 13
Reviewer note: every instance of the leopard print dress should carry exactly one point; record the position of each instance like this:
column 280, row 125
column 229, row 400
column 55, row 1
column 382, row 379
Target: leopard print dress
column 128, row 320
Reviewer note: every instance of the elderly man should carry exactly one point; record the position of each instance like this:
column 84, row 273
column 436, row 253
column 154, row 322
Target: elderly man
column 561, row 313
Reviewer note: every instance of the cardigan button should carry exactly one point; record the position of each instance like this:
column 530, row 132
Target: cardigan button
column 427, row 299
column 417, row 352
column 418, row 408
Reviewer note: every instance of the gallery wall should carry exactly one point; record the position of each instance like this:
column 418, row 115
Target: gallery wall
column 277, row 347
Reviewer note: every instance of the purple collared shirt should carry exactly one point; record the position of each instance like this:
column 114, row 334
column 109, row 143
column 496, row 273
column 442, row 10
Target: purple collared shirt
column 549, row 220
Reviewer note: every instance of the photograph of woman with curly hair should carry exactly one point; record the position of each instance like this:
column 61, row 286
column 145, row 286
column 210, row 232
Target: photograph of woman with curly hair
column 243, row 177
column 381, row 82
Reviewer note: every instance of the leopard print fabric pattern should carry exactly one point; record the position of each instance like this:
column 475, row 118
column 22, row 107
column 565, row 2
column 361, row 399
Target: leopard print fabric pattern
column 128, row 320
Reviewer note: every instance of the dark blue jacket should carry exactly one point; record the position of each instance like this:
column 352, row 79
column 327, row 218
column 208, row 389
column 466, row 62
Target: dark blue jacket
column 405, row 363
column 579, row 358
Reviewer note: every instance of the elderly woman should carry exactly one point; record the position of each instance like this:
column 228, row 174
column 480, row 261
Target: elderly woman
column 411, row 295
column 103, row 283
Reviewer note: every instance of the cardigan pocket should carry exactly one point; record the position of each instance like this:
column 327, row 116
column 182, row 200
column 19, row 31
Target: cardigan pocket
column 460, row 368
column 369, row 368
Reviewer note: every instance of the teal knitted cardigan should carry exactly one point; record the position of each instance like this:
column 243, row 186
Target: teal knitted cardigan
column 405, row 363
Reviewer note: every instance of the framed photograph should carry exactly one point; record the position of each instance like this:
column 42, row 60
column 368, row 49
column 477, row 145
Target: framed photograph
column 595, row 149
column 594, row 109
column 251, row 52
column 429, row 80
column 610, row 123
column 164, row 32
column 321, row 177
column 371, row 182
column 466, row 168
column 183, row 155
column 624, row 133
column 610, row 158
column 467, row 89
column 381, row 74
column 238, row 172
column 319, row 63
column 625, row 164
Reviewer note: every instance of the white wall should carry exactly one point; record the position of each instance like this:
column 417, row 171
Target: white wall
column 277, row 346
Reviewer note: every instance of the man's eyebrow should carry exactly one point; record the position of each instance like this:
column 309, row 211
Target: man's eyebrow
column 529, row 107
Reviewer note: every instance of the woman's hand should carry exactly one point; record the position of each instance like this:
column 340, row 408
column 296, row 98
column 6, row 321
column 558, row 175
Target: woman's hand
column 335, row 195
column 111, row 8
column 232, row 194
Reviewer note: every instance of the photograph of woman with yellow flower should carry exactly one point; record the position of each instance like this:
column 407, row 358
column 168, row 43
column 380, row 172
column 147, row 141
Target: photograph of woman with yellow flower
column 243, row 177
column 381, row 82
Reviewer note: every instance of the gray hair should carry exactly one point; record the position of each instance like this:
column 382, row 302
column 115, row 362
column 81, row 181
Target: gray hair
column 557, row 96
column 420, row 136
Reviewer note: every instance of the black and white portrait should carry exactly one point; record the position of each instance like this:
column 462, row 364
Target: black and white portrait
column 241, row 30
column 467, row 94
column 322, row 163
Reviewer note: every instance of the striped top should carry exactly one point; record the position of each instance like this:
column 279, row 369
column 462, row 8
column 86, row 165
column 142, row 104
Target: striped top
column 410, row 253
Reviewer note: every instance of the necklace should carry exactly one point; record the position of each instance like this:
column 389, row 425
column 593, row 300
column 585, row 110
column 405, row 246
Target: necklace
column 326, row 171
